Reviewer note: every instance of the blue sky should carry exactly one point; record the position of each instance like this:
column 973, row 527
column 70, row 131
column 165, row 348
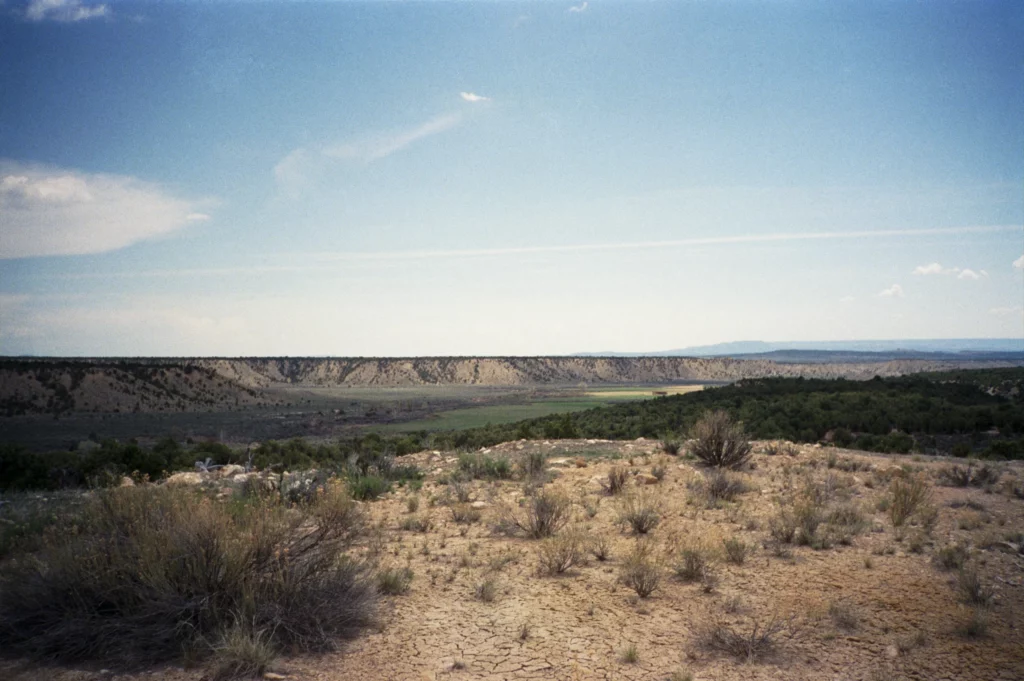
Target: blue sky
column 452, row 178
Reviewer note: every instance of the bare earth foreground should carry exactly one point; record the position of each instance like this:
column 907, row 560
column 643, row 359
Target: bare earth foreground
column 878, row 608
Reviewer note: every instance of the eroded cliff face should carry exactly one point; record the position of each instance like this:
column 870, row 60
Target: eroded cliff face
column 147, row 385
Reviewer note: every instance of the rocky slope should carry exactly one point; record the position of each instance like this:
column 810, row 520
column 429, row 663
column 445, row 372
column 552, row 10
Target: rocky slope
column 146, row 385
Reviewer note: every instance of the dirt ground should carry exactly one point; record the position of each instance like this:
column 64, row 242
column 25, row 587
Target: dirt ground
column 876, row 609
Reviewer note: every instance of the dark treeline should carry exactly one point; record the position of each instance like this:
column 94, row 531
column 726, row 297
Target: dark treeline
column 957, row 412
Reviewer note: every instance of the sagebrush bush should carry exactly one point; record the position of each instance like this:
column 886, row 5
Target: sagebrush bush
column 156, row 570
column 394, row 581
column 971, row 588
column 970, row 475
column 735, row 550
column 748, row 643
column 640, row 511
column 545, row 514
column 617, row 478
column 368, row 487
column 532, row 465
column 720, row 442
column 907, row 495
column 670, row 446
column 694, row 561
column 716, row 486
column 557, row 554
column 640, row 570
column 951, row 557
column 483, row 466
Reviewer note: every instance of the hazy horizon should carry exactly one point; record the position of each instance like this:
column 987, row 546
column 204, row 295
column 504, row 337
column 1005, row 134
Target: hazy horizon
column 503, row 178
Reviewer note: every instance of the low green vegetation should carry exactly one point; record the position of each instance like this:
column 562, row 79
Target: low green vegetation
column 965, row 413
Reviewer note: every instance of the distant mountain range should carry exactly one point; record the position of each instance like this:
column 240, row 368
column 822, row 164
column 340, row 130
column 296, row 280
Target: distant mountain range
column 853, row 350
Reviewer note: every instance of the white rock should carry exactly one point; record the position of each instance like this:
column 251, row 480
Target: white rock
column 189, row 478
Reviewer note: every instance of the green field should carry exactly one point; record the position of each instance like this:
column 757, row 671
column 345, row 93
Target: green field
column 496, row 414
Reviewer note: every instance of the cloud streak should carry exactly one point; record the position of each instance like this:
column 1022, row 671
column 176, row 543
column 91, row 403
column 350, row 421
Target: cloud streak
column 66, row 11
column 473, row 97
column 1019, row 263
column 579, row 9
column 325, row 258
column 937, row 269
column 46, row 211
column 295, row 170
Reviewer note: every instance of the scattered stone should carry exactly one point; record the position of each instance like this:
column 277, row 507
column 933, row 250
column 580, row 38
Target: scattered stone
column 560, row 463
column 272, row 676
column 126, row 481
column 186, row 478
column 892, row 652
column 580, row 462
column 230, row 470
column 645, row 479
column 479, row 504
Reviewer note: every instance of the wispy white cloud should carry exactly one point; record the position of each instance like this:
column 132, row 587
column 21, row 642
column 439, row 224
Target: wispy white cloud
column 934, row 268
column 473, row 97
column 296, row 168
column 894, row 291
column 52, row 211
column 1007, row 311
column 1019, row 263
column 64, row 10
column 577, row 9
column 382, row 146
column 937, row 269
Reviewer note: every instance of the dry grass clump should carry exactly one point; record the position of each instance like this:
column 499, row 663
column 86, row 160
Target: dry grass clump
column 641, row 570
column 748, row 643
column 394, row 581
column 464, row 514
column 671, row 446
column 716, row 486
column 843, row 615
column 735, row 550
column 720, row 442
column 545, row 513
column 155, row 570
column 487, row 589
column 971, row 588
column 694, row 561
column 908, row 496
column 976, row 625
column 630, row 655
column 415, row 523
column 970, row 475
column 951, row 557
column 557, row 554
column 641, row 512
column 532, row 465
column 600, row 548
column 618, row 476
column 242, row 652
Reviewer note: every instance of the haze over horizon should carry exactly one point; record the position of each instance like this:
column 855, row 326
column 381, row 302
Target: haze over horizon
column 505, row 178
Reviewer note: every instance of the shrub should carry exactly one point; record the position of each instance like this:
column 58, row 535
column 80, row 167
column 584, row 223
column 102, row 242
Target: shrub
column 483, row 466
column 968, row 476
column 735, row 550
column 952, row 557
column 368, row 487
column 748, row 644
column 720, row 442
column 546, row 512
column 640, row 571
column 670, row 446
column 243, row 652
column 658, row 472
column 486, row 590
column 694, row 561
column 907, row 496
column 558, row 554
column 153, row 571
column 412, row 504
column 464, row 514
column 976, row 626
column 394, row 581
column 716, row 486
column 640, row 512
column 600, row 548
column 414, row 523
column 532, row 465
column 617, row 478
column 843, row 615
column 630, row 655
column 971, row 589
